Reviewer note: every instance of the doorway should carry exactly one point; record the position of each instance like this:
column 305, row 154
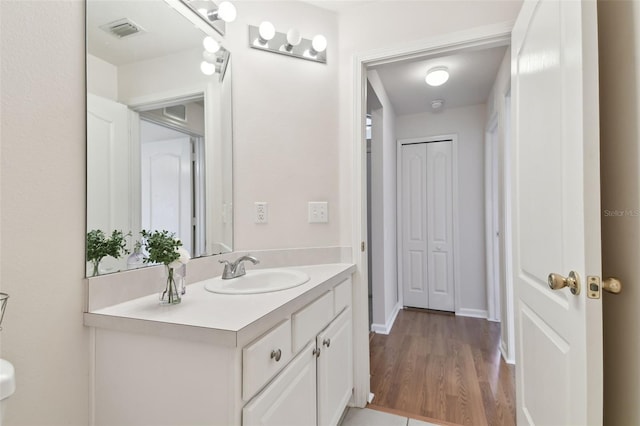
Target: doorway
column 382, row 59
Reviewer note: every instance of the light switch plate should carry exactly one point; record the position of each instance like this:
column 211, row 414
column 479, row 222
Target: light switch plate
column 318, row 212
column 262, row 212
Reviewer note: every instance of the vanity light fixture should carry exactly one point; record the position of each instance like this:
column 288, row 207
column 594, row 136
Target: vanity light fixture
column 318, row 45
column 210, row 44
column 293, row 39
column 266, row 32
column 437, row 76
column 265, row 37
column 216, row 15
column 215, row 57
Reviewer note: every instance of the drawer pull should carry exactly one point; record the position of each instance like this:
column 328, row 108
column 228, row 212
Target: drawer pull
column 326, row 342
column 276, row 355
column 316, row 352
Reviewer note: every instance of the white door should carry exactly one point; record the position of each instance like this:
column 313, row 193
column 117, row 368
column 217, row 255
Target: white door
column 556, row 212
column 166, row 182
column 427, row 231
column 108, row 179
column 335, row 369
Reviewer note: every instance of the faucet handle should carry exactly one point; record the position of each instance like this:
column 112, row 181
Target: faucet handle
column 226, row 262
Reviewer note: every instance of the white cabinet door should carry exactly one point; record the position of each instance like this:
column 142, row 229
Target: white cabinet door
column 556, row 212
column 290, row 400
column 335, row 369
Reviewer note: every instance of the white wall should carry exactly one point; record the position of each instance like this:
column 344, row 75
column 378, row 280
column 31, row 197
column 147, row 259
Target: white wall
column 285, row 134
column 469, row 124
column 383, row 188
column 42, row 97
column 104, row 78
column 619, row 40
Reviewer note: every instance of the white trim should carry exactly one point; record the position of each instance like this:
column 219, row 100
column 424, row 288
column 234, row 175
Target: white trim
column 505, row 354
column 479, row 37
column 493, row 289
column 472, row 313
column 508, row 231
column 455, row 221
column 386, row 328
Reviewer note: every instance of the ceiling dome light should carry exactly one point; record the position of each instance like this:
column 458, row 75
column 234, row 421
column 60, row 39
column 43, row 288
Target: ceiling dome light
column 319, row 43
column 437, row 76
column 227, row 11
column 210, row 44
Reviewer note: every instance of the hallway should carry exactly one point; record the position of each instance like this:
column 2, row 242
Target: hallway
column 443, row 367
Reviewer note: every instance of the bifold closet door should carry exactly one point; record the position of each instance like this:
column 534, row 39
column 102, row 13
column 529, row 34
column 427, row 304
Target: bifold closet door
column 427, row 225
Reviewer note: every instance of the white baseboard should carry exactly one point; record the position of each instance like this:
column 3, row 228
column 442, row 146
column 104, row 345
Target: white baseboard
column 505, row 353
column 386, row 328
column 475, row 313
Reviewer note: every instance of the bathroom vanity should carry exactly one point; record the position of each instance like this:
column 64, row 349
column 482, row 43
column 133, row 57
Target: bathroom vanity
column 277, row 358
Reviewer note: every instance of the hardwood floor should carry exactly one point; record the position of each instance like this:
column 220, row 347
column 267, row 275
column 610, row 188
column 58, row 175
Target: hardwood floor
column 443, row 367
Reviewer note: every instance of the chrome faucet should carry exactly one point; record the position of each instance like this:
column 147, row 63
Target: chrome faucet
column 236, row 269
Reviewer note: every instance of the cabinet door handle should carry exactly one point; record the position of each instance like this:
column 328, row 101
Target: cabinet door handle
column 277, row 354
column 326, row 342
column 316, row 352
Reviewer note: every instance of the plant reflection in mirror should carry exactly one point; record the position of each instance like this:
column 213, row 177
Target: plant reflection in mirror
column 100, row 246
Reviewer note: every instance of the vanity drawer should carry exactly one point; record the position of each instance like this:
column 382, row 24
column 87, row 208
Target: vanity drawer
column 264, row 358
column 311, row 319
column 342, row 296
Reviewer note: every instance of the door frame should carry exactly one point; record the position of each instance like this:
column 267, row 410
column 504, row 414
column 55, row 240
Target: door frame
column 479, row 37
column 453, row 138
column 492, row 217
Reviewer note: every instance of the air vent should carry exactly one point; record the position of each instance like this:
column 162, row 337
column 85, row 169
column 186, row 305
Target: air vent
column 177, row 112
column 122, row 28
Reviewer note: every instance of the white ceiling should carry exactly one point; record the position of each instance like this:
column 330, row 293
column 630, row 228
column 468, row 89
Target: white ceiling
column 337, row 6
column 167, row 31
column 472, row 75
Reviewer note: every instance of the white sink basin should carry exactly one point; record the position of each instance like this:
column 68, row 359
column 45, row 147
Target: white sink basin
column 258, row 281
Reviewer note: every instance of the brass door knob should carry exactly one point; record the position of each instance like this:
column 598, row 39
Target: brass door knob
column 557, row 281
column 612, row 285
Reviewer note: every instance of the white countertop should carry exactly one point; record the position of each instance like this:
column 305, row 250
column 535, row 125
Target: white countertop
column 229, row 320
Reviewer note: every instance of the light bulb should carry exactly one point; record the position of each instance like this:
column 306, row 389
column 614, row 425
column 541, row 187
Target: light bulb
column 227, row 11
column 210, row 44
column 319, row 43
column 437, row 76
column 207, row 68
column 267, row 31
column 293, row 37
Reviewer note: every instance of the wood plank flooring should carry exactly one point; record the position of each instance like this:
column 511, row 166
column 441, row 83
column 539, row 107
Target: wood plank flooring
column 443, row 367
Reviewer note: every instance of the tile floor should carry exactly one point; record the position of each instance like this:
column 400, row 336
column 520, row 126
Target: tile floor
column 368, row 417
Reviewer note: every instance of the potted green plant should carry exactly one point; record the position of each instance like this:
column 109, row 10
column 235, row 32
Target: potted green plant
column 100, row 246
column 163, row 247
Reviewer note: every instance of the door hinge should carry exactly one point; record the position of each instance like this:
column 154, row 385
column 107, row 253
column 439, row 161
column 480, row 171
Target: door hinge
column 362, row 246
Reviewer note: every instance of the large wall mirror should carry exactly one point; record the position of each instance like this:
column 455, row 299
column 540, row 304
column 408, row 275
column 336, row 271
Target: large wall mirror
column 159, row 130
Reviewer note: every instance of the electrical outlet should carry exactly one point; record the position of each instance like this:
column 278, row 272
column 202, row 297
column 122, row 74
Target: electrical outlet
column 318, row 212
column 262, row 212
